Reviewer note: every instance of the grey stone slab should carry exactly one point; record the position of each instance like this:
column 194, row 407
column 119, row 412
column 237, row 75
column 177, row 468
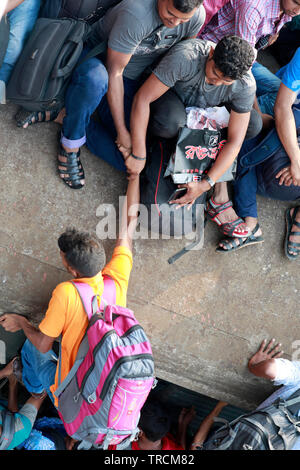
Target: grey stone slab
column 205, row 314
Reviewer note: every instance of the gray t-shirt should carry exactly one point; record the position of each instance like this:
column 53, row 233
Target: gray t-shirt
column 134, row 27
column 183, row 68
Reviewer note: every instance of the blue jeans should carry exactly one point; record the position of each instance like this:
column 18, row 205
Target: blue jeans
column 87, row 87
column 267, row 88
column 21, row 20
column 101, row 134
column 38, row 369
column 261, row 180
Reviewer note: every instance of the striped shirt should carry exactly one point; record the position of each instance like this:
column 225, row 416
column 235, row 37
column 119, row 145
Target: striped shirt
column 248, row 19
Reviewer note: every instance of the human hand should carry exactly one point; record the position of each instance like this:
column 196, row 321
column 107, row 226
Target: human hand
column 123, row 142
column 289, row 175
column 186, row 416
column 11, row 322
column 272, row 39
column 266, row 352
column 134, row 166
column 194, row 190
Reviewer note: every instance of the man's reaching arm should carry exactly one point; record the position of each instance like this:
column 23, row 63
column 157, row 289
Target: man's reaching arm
column 13, row 322
column 286, row 129
column 129, row 213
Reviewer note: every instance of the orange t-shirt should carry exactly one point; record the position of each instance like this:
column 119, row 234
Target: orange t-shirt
column 66, row 316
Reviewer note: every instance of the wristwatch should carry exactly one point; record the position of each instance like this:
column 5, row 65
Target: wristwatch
column 209, row 180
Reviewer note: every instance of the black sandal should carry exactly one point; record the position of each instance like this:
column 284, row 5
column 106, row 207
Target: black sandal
column 292, row 249
column 72, row 173
column 234, row 244
column 34, row 117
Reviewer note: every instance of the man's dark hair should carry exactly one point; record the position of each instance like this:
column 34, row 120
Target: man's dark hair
column 82, row 252
column 233, row 56
column 154, row 421
column 185, row 6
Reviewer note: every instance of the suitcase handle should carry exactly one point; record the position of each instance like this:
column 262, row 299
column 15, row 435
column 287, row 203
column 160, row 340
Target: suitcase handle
column 64, row 71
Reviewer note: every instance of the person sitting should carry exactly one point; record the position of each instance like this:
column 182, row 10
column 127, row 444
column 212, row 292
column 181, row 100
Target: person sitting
column 137, row 34
column 154, row 425
column 23, row 419
column 22, row 15
column 278, row 177
column 202, row 74
column 259, row 23
column 83, row 257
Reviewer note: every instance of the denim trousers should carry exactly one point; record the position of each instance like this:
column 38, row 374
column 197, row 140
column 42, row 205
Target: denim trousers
column 21, row 22
column 261, row 179
column 38, row 369
column 87, row 87
column 101, row 132
column 267, row 86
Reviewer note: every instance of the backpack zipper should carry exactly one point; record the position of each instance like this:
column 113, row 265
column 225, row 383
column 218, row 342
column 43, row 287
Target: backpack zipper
column 257, row 429
column 130, row 330
column 89, row 371
column 117, row 364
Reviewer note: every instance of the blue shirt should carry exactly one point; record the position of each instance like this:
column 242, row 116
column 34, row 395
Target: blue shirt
column 290, row 74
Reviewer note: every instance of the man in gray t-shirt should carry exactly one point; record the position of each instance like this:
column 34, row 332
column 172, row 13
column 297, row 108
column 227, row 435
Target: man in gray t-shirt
column 200, row 73
column 137, row 33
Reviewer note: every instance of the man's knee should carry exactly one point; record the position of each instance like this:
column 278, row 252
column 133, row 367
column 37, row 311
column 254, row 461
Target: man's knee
column 92, row 75
column 167, row 116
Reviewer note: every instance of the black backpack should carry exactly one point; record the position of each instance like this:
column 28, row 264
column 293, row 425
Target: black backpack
column 44, row 68
column 276, row 427
column 157, row 191
column 87, row 10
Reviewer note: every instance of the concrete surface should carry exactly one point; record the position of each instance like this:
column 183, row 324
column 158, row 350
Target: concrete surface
column 205, row 314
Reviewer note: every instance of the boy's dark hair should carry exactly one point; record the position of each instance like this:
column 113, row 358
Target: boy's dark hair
column 185, row 6
column 233, row 56
column 154, row 421
column 82, row 252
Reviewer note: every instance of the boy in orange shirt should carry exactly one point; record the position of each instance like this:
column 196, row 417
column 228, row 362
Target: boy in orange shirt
column 84, row 259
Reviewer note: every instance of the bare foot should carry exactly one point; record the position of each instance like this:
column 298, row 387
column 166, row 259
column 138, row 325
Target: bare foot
column 60, row 117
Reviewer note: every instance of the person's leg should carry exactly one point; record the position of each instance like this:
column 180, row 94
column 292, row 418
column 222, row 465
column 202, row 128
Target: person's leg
column 38, row 369
column 167, row 116
column 101, row 133
column 22, row 20
column 266, row 81
column 269, row 186
column 267, row 88
column 87, row 87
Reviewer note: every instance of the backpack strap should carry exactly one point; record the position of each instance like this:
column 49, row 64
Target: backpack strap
column 267, row 147
column 90, row 305
column 8, row 429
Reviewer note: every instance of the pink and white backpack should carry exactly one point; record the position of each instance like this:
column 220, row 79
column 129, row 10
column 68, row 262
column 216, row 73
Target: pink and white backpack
column 100, row 400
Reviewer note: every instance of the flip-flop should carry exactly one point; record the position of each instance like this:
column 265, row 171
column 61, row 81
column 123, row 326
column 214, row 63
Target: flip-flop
column 233, row 244
column 288, row 245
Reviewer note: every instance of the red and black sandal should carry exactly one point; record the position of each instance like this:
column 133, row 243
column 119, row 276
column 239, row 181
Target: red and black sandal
column 213, row 210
